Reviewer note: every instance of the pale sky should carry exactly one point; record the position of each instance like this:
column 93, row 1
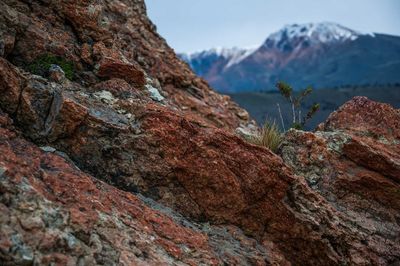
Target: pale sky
column 192, row 25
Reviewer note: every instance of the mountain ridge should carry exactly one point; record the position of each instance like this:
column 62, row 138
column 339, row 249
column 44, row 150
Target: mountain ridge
column 319, row 54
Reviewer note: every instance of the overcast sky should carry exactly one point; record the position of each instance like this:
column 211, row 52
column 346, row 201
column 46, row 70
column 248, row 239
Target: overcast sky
column 192, row 25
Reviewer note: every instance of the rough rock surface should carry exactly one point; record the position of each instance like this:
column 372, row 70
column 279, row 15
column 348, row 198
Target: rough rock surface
column 179, row 186
column 352, row 160
column 54, row 214
column 108, row 40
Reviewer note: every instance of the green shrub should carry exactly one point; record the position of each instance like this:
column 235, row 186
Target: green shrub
column 298, row 121
column 40, row 66
column 269, row 136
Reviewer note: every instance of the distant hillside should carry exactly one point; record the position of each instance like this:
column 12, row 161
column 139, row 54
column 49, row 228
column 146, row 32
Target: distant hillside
column 321, row 55
column 262, row 105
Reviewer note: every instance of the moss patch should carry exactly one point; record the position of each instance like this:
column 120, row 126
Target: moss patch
column 40, row 66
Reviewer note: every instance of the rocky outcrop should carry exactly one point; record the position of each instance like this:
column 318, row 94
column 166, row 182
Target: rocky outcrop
column 352, row 161
column 108, row 100
column 109, row 40
column 54, row 214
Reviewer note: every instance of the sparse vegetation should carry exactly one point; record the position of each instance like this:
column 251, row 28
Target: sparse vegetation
column 40, row 66
column 298, row 121
column 261, row 104
column 269, row 136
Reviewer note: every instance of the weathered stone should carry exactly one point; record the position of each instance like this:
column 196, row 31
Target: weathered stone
column 332, row 200
column 117, row 39
column 154, row 93
column 61, row 215
column 56, row 73
column 122, row 70
column 356, row 173
column 48, row 149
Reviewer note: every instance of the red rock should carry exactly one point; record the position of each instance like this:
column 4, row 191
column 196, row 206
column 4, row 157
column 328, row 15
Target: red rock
column 333, row 198
column 10, row 86
column 119, row 38
column 122, row 70
column 117, row 87
column 376, row 134
column 86, row 54
column 79, row 211
column 352, row 161
column 366, row 118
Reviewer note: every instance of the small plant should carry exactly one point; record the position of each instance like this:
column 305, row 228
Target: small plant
column 269, row 136
column 40, row 66
column 298, row 121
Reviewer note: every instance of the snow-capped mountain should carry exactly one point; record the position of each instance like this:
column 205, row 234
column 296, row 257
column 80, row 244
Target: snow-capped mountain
column 319, row 54
column 232, row 56
column 210, row 62
column 304, row 35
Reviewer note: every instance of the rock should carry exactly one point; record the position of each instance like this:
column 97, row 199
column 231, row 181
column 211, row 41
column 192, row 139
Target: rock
column 154, row 94
column 246, row 132
column 122, row 70
column 375, row 134
column 48, row 149
column 346, row 162
column 209, row 197
column 244, row 115
column 86, row 53
column 7, row 41
column 59, row 214
column 214, row 176
column 56, row 73
column 114, row 44
column 105, row 96
column 118, row 87
column 2, row 171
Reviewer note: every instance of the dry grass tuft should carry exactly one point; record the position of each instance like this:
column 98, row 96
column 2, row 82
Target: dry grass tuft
column 269, row 136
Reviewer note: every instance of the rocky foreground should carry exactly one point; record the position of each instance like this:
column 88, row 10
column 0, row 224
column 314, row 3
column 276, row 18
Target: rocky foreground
column 120, row 155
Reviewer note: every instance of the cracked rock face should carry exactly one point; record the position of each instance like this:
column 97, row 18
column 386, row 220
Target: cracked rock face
column 139, row 163
column 107, row 40
column 352, row 160
column 52, row 213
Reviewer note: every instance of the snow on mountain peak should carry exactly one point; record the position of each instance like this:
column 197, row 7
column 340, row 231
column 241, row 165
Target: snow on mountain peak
column 226, row 53
column 232, row 55
column 291, row 38
column 310, row 33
